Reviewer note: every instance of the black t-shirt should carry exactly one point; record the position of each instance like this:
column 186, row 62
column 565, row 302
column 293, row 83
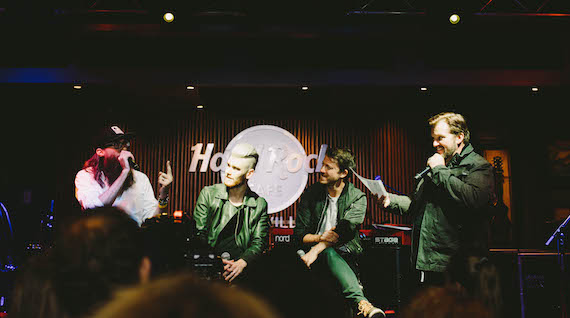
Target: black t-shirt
column 226, row 240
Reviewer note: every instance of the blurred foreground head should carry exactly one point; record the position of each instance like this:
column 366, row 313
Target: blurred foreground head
column 96, row 254
column 184, row 295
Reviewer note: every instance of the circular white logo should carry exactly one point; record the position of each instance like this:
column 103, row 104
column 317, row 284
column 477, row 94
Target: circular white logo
column 281, row 172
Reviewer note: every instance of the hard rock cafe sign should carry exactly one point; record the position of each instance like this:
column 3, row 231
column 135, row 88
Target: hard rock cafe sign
column 282, row 169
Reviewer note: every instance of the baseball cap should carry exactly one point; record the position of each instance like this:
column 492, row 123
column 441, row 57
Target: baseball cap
column 110, row 134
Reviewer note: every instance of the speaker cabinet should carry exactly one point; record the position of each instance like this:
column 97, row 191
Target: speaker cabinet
column 385, row 273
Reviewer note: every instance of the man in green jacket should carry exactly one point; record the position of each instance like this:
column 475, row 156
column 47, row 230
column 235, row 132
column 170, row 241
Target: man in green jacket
column 451, row 204
column 230, row 218
column 326, row 226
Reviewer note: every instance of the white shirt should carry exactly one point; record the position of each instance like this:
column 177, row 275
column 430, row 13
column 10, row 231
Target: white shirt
column 329, row 219
column 138, row 200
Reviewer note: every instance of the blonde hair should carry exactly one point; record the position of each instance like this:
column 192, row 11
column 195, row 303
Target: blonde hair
column 246, row 151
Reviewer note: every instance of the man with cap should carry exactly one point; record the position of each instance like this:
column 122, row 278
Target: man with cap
column 108, row 178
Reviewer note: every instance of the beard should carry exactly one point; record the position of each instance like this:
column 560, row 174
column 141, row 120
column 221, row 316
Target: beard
column 233, row 183
column 112, row 168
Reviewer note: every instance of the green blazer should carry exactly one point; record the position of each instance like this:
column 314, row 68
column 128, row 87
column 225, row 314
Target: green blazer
column 252, row 239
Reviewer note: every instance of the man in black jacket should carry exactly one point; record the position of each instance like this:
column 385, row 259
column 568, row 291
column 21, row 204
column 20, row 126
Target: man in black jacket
column 326, row 225
column 450, row 206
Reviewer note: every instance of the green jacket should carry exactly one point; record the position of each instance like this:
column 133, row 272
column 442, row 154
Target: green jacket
column 252, row 239
column 351, row 212
column 451, row 210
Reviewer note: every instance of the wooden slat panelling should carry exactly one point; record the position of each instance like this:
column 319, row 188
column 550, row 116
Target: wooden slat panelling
column 387, row 148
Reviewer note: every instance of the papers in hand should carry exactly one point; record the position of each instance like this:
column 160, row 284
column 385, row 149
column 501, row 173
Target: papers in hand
column 375, row 186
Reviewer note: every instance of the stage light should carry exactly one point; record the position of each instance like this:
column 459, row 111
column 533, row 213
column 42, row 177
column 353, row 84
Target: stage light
column 168, row 17
column 77, row 86
column 189, row 87
column 200, row 106
column 305, row 88
column 423, row 89
column 534, row 89
column 454, row 18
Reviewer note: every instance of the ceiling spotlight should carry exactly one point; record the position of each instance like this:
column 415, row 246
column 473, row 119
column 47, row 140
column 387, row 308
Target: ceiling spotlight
column 77, row 86
column 168, row 17
column 200, row 106
column 534, row 89
column 305, row 88
column 423, row 89
column 189, row 87
column 454, row 18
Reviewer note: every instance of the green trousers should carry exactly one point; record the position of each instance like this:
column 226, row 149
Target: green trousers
column 343, row 274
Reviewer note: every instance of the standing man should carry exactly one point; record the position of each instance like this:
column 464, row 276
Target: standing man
column 108, row 179
column 451, row 202
column 326, row 226
column 230, row 217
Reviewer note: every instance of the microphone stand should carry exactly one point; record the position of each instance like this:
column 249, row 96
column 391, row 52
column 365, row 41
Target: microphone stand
column 559, row 235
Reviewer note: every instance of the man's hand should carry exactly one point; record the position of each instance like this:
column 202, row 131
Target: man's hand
column 436, row 160
column 383, row 201
column 329, row 236
column 165, row 179
column 232, row 269
column 124, row 156
column 309, row 258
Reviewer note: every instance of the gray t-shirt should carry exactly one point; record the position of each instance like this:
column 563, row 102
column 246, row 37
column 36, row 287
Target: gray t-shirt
column 329, row 220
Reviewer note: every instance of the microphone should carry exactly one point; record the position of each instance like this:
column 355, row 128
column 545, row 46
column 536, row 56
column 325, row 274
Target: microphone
column 226, row 256
column 422, row 173
column 133, row 164
column 301, row 253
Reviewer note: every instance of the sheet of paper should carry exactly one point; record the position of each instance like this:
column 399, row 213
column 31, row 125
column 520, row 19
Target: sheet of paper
column 375, row 186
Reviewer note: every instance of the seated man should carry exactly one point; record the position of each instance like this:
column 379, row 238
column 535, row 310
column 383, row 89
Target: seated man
column 327, row 220
column 230, row 217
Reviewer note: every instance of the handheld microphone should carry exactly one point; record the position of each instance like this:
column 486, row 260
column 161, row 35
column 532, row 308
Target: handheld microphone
column 133, row 164
column 422, row 173
column 301, row 253
column 226, row 256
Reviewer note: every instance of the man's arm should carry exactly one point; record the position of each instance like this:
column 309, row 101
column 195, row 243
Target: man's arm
column 200, row 215
column 108, row 197
column 164, row 181
column 260, row 236
column 474, row 191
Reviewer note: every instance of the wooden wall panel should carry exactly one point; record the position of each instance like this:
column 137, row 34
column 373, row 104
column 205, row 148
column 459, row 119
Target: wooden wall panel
column 389, row 149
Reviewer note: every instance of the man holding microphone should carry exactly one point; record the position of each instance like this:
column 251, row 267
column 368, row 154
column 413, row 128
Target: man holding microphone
column 451, row 203
column 108, row 178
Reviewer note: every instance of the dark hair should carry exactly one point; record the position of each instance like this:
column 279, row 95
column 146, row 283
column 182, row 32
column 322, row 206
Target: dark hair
column 182, row 295
column 34, row 294
column 343, row 157
column 478, row 277
column 445, row 302
column 457, row 124
column 96, row 254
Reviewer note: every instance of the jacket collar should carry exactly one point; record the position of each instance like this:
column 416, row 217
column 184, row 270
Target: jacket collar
column 457, row 158
column 249, row 198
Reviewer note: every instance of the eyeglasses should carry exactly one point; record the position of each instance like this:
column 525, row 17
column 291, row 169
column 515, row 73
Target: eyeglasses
column 119, row 144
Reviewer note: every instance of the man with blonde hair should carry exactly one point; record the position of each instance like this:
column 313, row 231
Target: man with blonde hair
column 231, row 218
